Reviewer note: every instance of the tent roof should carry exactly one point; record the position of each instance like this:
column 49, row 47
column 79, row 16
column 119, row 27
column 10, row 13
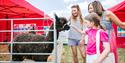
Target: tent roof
column 18, row 9
column 119, row 10
column 118, row 7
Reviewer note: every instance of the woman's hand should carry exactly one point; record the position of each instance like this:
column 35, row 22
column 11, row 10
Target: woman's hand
column 84, row 53
column 82, row 46
column 81, row 43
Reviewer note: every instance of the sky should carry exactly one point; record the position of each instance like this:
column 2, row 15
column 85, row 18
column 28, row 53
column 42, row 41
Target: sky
column 63, row 7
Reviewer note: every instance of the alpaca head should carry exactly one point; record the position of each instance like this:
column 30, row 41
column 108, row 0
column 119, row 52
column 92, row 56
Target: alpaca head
column 61, row 23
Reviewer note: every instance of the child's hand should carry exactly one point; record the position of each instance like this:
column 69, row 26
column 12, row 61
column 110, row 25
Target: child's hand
column 77, row 29
column 72, row 26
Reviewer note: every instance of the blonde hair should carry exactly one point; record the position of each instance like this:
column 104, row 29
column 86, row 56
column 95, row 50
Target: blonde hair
column 79, row 14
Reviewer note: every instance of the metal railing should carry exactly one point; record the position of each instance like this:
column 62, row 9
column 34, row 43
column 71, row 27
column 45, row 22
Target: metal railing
column 12, row 35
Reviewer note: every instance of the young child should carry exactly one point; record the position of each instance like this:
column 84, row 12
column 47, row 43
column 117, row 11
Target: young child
column 93, row 24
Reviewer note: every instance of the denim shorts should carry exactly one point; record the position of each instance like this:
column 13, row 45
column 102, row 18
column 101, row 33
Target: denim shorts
column 73, row 42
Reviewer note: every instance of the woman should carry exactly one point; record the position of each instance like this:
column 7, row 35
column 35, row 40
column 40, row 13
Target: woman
column 106, row 20
column 74, row 36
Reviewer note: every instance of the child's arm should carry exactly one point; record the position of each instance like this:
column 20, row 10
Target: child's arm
column 104, row 54
column 80, row 31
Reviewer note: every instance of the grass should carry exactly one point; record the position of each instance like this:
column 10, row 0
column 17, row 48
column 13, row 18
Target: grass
column 69, row 55
column 121, row 53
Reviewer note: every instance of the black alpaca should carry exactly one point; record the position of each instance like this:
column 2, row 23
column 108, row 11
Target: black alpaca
column 61, row 24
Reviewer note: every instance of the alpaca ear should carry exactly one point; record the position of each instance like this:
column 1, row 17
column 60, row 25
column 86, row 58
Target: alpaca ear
column 56, row 18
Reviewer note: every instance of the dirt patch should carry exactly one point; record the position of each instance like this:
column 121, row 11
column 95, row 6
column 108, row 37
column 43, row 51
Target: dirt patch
column 4, row 49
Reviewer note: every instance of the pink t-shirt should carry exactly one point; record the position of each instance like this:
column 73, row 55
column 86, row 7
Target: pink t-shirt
column 91, row 45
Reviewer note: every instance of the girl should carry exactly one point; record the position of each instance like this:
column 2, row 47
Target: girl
column 93, row 25
column 74, row 36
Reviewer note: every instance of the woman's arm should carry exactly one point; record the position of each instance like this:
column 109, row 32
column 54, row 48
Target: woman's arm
column 104, row 54
column 82, row 46
column 116, row 20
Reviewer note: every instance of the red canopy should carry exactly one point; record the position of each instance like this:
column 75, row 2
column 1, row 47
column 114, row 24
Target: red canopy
column 19, row 9
column 119, row 11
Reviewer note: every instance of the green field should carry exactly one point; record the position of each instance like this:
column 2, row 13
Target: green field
column 121, row 55
column 68, row 55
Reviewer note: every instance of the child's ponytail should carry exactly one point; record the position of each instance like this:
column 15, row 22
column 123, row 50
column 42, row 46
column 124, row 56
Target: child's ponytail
column 93, row 17
column 101, row 27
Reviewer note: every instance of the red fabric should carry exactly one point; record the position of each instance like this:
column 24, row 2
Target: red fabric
column 113, row 45
column 25, row 4
column 18, row 9
column 119, row 11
